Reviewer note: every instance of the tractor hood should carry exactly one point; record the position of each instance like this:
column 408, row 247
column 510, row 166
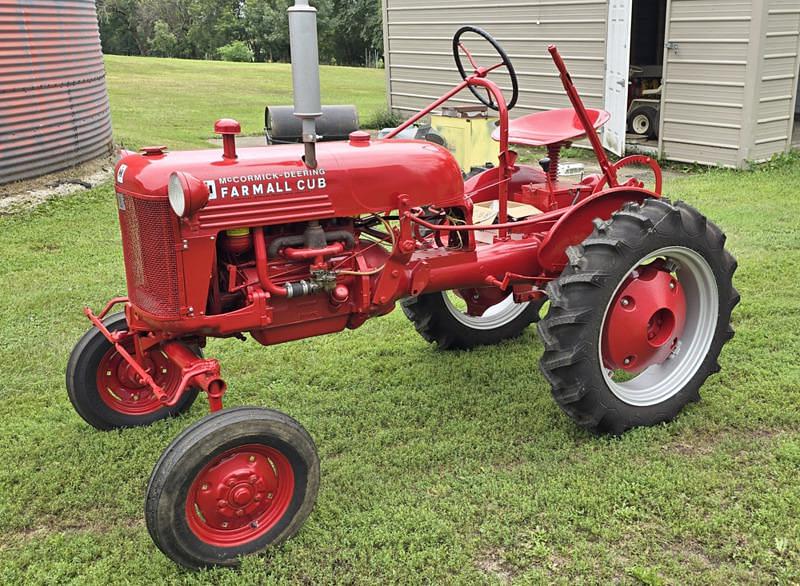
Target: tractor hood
column 270, row 185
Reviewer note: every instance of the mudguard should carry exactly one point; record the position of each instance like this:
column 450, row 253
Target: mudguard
column 575, row 226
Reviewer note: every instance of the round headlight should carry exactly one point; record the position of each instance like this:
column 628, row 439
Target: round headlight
column 177, row 199
column 187, row 194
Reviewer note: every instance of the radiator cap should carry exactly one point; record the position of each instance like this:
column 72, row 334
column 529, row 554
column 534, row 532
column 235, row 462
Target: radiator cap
column 359, row 138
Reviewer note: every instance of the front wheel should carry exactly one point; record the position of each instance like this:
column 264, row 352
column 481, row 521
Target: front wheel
column 638, row 318
column 106, row 391
column 232, row 484
column 469, row 317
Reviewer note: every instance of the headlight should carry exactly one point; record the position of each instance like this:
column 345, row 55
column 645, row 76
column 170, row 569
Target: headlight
column 187, row 194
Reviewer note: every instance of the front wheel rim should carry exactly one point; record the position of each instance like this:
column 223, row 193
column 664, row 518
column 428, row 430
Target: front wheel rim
column 121, row 388
column 495, row 316
column 240, row 495
column 660, row 381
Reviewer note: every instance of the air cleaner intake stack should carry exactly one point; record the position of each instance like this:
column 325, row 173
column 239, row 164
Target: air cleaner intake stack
column 305, row 73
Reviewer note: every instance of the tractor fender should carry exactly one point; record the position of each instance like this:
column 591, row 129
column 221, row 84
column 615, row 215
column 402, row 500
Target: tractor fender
column 577, row 223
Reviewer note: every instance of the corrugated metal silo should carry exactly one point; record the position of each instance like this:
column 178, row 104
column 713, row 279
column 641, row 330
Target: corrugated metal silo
column 54, row 110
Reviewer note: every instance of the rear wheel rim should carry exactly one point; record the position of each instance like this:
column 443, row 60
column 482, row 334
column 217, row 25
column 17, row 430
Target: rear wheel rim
column 121, row 388
column 495, row 316
column 640, row 124
column 240, row 495
column 661, row 381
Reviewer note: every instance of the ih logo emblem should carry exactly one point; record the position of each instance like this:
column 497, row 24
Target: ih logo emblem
column 212, row 188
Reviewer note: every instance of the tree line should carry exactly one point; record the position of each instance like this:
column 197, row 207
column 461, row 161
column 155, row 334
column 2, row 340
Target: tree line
column 350, row 31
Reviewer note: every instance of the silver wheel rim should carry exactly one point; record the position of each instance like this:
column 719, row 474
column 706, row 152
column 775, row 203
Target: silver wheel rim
column 495, row 316
column 661, row 382
column 640, row 124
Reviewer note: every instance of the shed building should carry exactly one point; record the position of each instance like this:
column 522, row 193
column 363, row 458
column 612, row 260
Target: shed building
column 727, row 70
column 54, row 110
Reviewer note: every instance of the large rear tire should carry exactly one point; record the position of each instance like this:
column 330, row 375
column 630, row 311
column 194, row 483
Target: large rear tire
column 234, row 483
column 443, row 319
column 638, row 317
column 104, row 390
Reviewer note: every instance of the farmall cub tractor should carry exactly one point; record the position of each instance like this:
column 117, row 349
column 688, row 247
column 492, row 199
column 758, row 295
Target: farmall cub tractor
column 291, row 241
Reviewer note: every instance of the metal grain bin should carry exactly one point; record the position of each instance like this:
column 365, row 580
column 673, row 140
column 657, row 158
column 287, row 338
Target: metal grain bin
column 54, row 110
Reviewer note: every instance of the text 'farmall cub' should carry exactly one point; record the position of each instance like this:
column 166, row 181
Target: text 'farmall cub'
column 291, row 241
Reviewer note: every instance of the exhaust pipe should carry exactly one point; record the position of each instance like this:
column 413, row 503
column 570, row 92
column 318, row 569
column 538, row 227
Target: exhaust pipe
column 305, row 73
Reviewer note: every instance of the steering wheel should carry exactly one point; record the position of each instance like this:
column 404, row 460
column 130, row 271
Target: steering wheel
column 458, row 48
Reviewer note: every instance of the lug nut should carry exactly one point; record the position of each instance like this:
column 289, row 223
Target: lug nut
column 252, row 458
column 269, row 495
column 672, row 284
column 204, row 487
column 625, row 302
column 224, row 524
column 627, row 361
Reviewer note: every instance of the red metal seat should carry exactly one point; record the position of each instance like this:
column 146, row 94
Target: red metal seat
column 550, row 127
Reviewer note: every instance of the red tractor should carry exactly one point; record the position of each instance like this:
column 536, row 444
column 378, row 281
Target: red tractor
column 291, row 241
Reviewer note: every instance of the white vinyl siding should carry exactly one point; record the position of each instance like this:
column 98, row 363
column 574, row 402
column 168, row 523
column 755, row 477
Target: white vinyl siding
column 419, row 59
column 777, row 79
column 704, row 81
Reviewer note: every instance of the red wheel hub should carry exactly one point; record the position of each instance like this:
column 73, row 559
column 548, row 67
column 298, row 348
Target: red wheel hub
column 240, row 495
column 123, row 390
column 645, row 320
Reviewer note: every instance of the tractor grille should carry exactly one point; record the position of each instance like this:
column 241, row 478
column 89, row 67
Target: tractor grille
column 148, row 242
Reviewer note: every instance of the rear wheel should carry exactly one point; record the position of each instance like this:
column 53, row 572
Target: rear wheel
column 643, row 120
column 638, row 318
column 105, row 390
column 469, row 317
column 232, row 484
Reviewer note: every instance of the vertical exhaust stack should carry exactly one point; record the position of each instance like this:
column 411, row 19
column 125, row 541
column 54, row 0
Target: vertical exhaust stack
column 305, row 73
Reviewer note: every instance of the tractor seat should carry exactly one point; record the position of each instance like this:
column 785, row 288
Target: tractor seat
column 550, row 127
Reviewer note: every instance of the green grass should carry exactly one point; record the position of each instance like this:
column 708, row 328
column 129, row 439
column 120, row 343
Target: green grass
column 437, row 467
column 175, row 101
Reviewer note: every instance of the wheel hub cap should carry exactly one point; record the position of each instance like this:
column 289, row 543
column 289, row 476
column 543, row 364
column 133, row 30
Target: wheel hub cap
column 240, row 495
column 646, row 320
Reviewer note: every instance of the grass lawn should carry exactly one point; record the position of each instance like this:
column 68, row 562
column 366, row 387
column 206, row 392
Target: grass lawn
column 437, row 467
column 176, row 101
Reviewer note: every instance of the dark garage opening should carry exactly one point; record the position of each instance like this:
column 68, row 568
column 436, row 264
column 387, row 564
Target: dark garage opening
column 648, row 25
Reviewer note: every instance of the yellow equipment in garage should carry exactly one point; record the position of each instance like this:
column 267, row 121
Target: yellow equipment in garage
column 467, row 131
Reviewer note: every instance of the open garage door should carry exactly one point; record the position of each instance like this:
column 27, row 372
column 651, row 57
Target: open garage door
column 616, row 80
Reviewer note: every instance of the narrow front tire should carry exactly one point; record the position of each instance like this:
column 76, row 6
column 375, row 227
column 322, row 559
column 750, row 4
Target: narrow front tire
column 234, row 483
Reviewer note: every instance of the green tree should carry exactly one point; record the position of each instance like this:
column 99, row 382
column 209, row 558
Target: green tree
column 236, row 51
column 118, row 31
column 266, row 26
column 350, row 31
column 163, row 42
column 214, row 23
